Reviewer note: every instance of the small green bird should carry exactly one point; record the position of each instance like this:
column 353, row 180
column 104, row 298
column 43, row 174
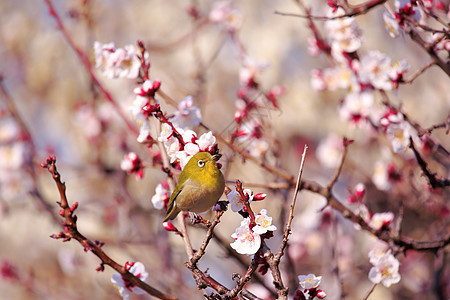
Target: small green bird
column 200, row 185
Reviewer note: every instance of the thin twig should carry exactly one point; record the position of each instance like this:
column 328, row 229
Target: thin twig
column 433, row 15
column 432, row 179
column 369, row 292
column 208, row 237
column 429, row 130
column 352, row 11
column 418, row 73
column 287, row 231
column 243, row 280
column 415, row 36
column 345, row 143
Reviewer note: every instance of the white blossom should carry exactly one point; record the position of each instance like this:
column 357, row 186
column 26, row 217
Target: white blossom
column 344, row 33
column 263, row 223
column 236, row 201
column 399, row 135
column 357, row 105
column 225, row 13
column 374, row 68
column 385, row 268
column 310, row 281
column 380, row 176
column 379, row 220
column 188, row 115
column 116, row 62
column 166, row 133
column 144, row 132
column 126, row 288
column 329, row 151
column 246, row 240
column 206, row 140
column 391, row 24
column 250, row 69
column 160, row 197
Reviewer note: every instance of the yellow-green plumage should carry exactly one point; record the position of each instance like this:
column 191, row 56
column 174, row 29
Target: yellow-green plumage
column 200, row 185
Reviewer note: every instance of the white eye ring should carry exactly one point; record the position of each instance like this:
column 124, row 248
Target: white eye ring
column 201, row 163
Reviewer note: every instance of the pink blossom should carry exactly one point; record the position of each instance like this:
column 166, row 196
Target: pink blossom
column 246, row 240
column 116, row 62
column 385, row 268
column 125, row 287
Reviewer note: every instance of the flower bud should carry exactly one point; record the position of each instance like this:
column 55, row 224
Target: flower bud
column 259, row 197
column 360, row 190
column 74, row 206
column 156, row 85
column 321, row 294
column 169, row 227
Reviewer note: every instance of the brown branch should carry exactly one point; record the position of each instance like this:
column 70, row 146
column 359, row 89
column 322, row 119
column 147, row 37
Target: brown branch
column 345, row 143
column 432, row 179
column 71, row 232
column 429, row 130
column 415, row 36
column 273, row 262
column 243, row 280
column 233, row 254
column 350, row 11
column 413, row 123
column 321, row 42
column 334, row 203
column 425, row 27
column 204, row 280
column 208, row 237
column 418, row 73
column 430, row 13
column 88, row 66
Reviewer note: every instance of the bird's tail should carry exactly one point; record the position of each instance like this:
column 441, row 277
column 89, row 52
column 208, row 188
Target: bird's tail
column 172, row 213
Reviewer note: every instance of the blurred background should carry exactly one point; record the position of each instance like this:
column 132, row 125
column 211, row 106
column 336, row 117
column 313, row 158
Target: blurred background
column 51, row 94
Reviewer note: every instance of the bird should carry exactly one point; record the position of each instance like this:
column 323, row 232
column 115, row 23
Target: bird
column 199, row 186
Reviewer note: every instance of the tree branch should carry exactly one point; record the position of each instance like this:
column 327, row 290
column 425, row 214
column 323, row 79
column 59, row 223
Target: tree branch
column 71, row 232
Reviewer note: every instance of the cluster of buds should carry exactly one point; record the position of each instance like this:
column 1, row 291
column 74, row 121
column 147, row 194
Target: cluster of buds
column 62, row 235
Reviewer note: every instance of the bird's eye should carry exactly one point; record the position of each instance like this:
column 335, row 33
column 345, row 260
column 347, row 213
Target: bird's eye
column 201, row 163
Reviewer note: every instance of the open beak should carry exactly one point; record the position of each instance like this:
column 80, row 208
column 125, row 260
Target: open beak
column 216, row 157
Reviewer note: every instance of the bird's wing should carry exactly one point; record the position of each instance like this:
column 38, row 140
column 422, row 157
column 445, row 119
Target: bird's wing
column 172, row 209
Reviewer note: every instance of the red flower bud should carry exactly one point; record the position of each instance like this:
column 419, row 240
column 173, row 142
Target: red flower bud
column 321, row 294
column 259, row 197
column 156, row 85
column 169, row 227
column 74, row 206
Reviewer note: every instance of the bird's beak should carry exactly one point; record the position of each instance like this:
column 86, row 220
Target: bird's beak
column 216, row 157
